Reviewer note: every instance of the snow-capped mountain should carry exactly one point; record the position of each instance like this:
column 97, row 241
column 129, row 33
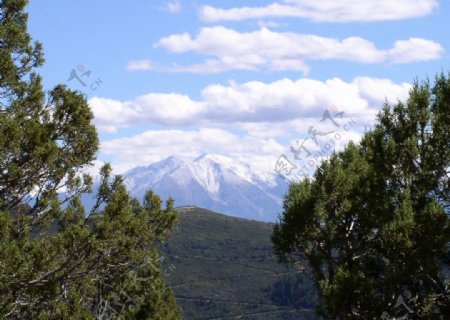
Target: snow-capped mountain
column 213, row 182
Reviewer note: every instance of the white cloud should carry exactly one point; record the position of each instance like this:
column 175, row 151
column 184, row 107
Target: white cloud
column 326, row 10
column 266, row 49
column 168, row 109
column 153, row 145
column 415, row 49
column 139, row 65
column 259, row 152
column 173, row 6
column 278, row 102
column 260, row 115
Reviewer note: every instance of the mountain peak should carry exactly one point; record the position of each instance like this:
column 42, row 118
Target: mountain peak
column 212, row 181
column 203, row 155
column 214, row 157
column 176, row 160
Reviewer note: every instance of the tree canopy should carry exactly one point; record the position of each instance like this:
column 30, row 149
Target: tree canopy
column 373, row 221
column 59, row 260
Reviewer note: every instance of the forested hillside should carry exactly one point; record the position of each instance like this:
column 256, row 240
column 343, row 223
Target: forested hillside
column 222, row 267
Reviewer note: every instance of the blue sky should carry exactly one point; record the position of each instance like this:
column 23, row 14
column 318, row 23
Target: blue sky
column 245, row 79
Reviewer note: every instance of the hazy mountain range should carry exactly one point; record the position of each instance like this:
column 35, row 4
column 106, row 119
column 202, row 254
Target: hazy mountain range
column 214, row 182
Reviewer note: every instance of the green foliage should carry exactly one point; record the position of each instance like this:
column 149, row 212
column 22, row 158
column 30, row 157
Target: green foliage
column 100, row 266
column 293, row 291
column 42, row 144
column 225, row 267
column 373, row 222
column 58, row 261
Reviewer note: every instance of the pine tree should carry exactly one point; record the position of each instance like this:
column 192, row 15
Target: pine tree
column 373, row 222
column 57, row 259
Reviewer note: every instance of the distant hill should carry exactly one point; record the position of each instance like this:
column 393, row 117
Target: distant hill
column 212, row 181
column 222, row 267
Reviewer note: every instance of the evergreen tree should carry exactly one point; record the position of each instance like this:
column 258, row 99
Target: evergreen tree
column 57, row 260
column 373, row 222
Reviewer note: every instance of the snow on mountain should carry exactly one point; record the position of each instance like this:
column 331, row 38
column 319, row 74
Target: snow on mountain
column 213, row 182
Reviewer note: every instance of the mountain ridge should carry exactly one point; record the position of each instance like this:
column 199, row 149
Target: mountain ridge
column 211, row 181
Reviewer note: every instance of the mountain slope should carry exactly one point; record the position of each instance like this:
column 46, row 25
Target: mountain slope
column 214, row 182
column 222, row 267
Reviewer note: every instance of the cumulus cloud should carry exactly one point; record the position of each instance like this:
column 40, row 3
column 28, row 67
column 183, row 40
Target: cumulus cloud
column 252, row 102
column 415, row 49
column 166, row 109
column 325, row 10
column 154, row 145
column 228, row 49
column 254, row 122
